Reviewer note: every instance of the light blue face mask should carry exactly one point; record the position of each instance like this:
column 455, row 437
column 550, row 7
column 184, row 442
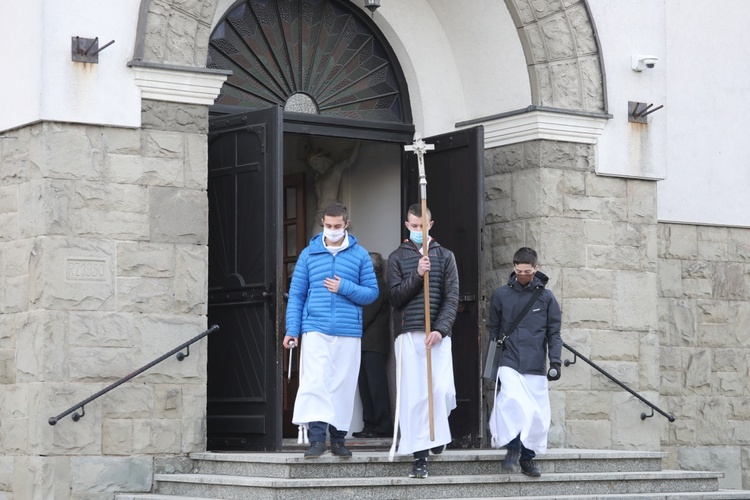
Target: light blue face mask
column 416, row 237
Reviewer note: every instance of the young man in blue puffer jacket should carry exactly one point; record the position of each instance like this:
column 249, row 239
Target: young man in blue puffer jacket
column 332, row 280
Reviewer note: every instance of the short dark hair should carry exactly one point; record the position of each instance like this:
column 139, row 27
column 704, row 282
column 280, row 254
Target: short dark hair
column 525, row 255
column 336, row 209
column 377, row 262
column 416, row 211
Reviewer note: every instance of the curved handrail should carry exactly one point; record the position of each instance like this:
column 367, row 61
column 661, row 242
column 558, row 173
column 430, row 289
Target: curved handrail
column 180, row 356
column 577, row 354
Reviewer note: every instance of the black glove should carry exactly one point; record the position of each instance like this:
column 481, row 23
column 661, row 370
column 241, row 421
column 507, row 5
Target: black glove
column 554, row 372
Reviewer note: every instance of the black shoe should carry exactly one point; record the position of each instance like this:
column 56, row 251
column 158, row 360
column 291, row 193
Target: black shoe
column 340, row 450
column 529, row 468
column 316, row 449
column 510, row 460
column 419, row 469
column 437, row 450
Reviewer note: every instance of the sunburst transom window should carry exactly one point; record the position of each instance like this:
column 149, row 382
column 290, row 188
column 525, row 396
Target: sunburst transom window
column 309, row 56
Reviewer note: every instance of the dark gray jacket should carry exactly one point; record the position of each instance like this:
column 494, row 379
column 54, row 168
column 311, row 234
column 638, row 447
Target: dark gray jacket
column 406, row 289
column 376, row 324
column 537, row 336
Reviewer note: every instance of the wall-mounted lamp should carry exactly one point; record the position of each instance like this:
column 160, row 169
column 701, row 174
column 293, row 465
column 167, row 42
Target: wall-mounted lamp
column 372, row 5
column 641, row 62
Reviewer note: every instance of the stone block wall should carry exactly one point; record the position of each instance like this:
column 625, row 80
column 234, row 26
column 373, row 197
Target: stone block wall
column 597, row 241
column 704, row 330
column 103, row 268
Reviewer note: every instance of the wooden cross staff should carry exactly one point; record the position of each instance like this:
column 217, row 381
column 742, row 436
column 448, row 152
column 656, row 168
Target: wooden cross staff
column 419, row 147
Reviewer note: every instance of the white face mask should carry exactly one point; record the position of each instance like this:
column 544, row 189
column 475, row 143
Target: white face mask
column 333, row 235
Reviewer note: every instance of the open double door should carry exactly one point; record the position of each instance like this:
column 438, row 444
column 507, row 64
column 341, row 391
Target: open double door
column 251, row 222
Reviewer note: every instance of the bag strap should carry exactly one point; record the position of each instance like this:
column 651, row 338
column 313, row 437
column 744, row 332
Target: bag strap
column 521, row 315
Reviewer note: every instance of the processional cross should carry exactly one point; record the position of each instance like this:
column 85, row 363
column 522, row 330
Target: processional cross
column 420, row 147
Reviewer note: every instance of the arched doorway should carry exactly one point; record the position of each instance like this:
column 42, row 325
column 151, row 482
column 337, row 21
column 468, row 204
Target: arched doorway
column 551, row 79
column 306, row 76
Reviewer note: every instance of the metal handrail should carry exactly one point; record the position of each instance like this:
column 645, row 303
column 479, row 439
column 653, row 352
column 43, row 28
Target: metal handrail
column 577, row 354
column 180, row 356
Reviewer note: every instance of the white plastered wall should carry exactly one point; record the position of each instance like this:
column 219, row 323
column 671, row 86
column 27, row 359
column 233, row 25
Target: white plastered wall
column 41, row 81
column 627, row 28
column 696, row 143
column 708, row 87
column 461, row 60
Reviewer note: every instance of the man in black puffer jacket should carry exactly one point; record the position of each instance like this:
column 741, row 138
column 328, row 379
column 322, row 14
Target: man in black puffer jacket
column 406, row 270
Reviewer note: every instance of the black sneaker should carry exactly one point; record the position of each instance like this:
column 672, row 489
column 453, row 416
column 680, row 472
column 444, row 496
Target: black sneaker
column 510, row 460
column 437, row 450
column 419, row 469
column 340, row 450
column 529, row 468
column 317, row 448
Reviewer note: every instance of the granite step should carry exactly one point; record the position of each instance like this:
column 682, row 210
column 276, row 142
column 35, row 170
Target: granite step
column 456, row 473
column 477, row 486
column 451, row 462
column 716, row 495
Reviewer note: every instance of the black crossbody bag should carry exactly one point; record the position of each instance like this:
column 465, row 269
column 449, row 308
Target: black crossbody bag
column 495, row 348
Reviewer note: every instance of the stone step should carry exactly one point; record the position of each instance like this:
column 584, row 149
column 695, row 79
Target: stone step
column 451, row 462
column 479, row 486
column 152, row 496
column 682, row 495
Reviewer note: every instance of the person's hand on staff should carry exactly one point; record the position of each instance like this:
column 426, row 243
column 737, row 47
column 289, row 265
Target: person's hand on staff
column 432, row 339
column 424, row 265
column 290, row 342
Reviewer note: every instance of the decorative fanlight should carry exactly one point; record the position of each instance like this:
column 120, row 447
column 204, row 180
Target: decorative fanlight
column 372, row 5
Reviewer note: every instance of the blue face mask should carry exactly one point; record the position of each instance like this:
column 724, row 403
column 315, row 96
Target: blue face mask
column 416, row 237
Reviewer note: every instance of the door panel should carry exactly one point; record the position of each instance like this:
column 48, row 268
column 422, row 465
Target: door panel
column 295, row 239
column 455, row 173
column 244, row 192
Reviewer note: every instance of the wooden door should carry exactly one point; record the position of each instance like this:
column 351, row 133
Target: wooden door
column 295, row 240
column 245, row 276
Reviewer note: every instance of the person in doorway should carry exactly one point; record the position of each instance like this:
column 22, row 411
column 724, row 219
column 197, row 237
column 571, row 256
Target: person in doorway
column 520, row 419
column 406, row 270
column 373, row 380
column 332, row 280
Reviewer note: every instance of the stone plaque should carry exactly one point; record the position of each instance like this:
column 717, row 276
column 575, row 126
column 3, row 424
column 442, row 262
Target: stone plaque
column 85, row 269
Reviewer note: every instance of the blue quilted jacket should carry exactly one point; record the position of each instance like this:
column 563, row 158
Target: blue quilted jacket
column 312, row 307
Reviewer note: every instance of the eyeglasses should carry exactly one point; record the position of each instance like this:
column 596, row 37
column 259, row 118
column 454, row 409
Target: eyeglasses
column 527, row 272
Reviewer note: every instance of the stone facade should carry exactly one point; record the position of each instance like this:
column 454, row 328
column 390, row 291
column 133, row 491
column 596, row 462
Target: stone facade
column 662, row 307
column 704, row 328
column 104, row 268
column 103, row 265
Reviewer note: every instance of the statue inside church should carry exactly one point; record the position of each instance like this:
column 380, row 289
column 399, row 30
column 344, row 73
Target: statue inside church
column 328, row 174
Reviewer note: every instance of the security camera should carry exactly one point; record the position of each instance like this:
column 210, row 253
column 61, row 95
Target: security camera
column 641, row 62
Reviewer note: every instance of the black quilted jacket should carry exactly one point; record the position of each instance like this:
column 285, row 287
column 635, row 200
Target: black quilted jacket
column 406, row 289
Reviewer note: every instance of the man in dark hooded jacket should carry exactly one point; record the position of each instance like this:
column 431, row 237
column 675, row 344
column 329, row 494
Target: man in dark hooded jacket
column 520, row 419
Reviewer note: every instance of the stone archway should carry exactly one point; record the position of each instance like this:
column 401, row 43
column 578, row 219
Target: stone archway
column 562, row 52
column 559, row 40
